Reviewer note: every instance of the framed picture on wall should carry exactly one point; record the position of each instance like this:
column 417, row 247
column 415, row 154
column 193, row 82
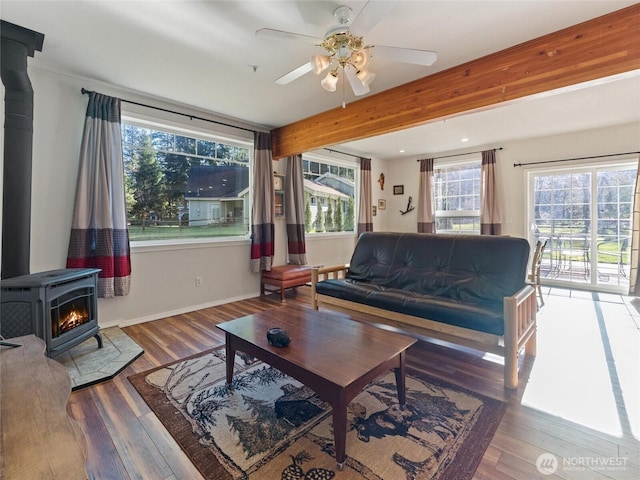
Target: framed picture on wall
column 382, row 204
column 398, row 189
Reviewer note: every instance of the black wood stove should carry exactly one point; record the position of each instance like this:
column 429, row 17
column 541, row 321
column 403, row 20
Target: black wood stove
column 59, row 306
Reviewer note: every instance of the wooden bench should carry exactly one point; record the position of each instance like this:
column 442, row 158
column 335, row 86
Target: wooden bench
column 283, row 277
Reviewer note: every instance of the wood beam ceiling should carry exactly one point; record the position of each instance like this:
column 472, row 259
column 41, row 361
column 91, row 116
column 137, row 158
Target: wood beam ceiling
column 599, row 48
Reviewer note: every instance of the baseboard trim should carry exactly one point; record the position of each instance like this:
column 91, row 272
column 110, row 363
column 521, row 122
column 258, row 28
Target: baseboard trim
column 170, row 313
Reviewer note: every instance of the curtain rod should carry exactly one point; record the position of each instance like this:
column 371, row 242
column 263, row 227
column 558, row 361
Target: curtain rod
column 461, row 154
column 576, row 158
column 191, row 117
column 344, row 153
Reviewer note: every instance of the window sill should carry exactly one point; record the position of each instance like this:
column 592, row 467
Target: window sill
column 187, row 244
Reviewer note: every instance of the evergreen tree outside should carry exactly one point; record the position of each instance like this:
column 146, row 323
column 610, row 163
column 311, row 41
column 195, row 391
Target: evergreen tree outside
column 307, row 212
column 350, row 216
column 328, row 223
column 339, row 221
column 176, row 175
column 319, row 219
column 147, row 179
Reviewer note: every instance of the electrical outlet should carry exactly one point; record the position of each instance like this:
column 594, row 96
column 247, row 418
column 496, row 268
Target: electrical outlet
column 198, row 281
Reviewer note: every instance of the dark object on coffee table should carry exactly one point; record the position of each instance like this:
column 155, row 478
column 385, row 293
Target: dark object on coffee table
column 278, row 337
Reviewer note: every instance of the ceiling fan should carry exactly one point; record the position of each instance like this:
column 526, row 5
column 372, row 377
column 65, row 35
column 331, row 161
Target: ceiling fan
column 345, row 50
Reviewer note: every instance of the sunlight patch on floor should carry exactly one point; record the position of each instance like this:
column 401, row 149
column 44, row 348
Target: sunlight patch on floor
column 586, row 353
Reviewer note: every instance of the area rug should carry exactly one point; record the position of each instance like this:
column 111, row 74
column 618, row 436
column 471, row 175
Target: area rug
column 270, row 426
column 87, row 364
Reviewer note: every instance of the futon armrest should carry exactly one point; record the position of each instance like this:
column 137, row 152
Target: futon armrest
column 319, row 274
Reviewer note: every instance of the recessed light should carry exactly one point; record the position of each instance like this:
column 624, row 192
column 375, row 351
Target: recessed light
column 465, row 139
column 401, row 151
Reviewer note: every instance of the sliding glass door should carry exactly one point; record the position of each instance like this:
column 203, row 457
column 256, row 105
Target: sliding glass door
column 584, row 215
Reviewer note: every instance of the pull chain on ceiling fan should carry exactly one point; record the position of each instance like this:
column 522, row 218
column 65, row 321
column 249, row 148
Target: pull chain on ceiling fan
column 346, row 52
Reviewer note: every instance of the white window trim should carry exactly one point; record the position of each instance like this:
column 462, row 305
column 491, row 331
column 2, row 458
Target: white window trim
column 571, row 167
column 244, row 139
column 341, row 162
column 443, row 214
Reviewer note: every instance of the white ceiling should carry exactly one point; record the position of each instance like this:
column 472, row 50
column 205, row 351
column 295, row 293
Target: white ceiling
column 202, row 53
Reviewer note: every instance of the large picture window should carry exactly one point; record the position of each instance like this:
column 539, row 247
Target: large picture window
column 457, row 197
column 182, row 185
column 330, row 195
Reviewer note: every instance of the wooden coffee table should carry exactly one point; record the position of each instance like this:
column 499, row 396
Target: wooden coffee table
column 330, row 353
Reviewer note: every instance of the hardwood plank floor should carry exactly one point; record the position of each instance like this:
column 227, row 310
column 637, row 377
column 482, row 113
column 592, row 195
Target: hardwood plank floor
column 579, row 399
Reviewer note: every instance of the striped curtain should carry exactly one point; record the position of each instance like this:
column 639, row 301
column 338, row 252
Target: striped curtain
column 490, row 222
column 426, row 214
column 262, row 210
column 294, row 209
column 634, row 274
column 365, row 220
column 99, row 236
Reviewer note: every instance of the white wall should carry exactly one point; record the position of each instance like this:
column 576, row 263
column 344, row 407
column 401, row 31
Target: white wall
column 512, row 180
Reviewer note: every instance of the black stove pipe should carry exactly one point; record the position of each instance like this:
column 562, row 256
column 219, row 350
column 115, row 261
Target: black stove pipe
column 16, row 43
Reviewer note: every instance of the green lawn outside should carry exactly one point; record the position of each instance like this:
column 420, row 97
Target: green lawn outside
column 169, row 232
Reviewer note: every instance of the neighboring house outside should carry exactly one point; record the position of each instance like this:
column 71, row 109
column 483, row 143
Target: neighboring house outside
column 217, row 195
column 319, row 194
column 343, row 185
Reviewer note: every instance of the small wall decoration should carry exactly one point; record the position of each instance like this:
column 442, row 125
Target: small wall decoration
column 410, row 207
column 374, row 211
column 381, row 181
column 382, row 204
column 278, row 182
column 398, row 189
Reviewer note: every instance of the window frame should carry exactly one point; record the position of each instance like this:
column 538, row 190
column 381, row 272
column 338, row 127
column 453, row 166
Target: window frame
column 593, row 168
column 199, row 129
column 351, row 164
column 446, row 214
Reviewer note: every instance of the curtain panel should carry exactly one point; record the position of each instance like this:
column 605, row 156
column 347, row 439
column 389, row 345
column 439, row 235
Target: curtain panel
column 490, row 219
column 426, row 213
column 294, row 208
column 365, row 219
column 262, row 210
column 634, row 274
column 99, row 235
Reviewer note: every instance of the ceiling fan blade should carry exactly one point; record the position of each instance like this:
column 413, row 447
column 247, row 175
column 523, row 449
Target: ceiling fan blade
column 358, row 87
column 294, row 74
column 406, row 55
column 282, row 35
column 370, row 15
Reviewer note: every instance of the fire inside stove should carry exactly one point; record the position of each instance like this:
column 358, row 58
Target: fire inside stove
column 67, row 317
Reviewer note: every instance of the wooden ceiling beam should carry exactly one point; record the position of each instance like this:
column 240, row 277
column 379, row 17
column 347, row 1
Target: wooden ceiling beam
column 598, row 48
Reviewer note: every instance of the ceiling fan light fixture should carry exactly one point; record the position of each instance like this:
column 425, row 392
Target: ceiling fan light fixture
column 319, row 63
column 330, row 81
column 365, row 76
column 360, row 58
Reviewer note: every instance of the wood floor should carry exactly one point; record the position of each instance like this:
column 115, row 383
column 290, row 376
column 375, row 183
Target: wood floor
column 579, row 400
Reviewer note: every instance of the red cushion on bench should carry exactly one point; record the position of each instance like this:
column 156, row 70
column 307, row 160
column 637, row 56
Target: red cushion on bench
column 288, row 272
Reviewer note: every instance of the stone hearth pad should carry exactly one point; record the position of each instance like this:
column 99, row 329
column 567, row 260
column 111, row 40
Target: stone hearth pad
column 87, row 364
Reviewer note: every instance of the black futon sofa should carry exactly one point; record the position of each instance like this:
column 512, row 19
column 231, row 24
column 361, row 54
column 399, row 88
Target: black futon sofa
column 466, row 289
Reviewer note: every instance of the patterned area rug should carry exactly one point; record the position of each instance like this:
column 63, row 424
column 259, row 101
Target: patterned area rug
column 270, row 426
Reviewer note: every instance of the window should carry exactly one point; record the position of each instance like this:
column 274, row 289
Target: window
column 182, row 184
column 330, row 195
column 457, row 197
column 585, row 216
